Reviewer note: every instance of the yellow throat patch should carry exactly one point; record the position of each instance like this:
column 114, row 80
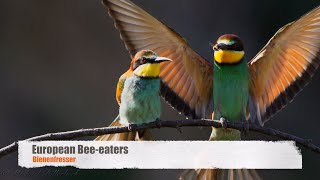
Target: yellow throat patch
column 150, row 70
column 228, row 57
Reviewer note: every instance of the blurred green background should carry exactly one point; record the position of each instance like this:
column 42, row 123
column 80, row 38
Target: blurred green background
column 60, row 61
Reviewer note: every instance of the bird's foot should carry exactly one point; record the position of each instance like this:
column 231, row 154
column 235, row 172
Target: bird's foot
column 223, row 122
column 132, row 126
column 158, row 122
column 246, row 127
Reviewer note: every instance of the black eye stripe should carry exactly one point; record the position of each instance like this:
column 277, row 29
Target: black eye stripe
column 144, row 60
column 234, row 47
column 136, row 64
column 141, row 61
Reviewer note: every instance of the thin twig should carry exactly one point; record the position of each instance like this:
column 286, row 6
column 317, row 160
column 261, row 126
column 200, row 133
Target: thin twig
column 161, row 124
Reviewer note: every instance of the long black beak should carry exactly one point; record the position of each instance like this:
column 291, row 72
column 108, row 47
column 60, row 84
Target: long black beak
column 162, row 59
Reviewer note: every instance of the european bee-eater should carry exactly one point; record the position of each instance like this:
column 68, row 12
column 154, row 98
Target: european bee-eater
column 138, row 95
column 230, row 86
column 231, row 95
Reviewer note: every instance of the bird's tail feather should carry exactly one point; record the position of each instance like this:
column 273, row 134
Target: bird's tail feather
column 220, row 174
column 126, row 136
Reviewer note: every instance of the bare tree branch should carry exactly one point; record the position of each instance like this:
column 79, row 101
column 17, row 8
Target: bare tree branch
column 161, row 124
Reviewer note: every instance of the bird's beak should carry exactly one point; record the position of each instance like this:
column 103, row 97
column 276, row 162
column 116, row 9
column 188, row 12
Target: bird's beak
column 215, row 47
column 220, row 46
column 162, row 59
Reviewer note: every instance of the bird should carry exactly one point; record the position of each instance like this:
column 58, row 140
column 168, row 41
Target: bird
column 195, row 86
column 138, row 96
column 231, row 94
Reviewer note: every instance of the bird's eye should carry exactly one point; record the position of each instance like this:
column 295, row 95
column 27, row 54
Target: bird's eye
column 143, row 60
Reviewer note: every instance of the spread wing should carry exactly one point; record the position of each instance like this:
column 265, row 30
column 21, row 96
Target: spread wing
column 120, row 84
column 285, row 65
column 187, row 81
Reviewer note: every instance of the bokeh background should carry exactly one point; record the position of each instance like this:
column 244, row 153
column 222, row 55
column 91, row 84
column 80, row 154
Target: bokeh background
column 60, row 61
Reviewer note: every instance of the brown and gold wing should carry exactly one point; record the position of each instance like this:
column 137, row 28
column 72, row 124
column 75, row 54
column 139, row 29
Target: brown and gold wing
column 120, row 84
column 187, row 81
column 285, row 65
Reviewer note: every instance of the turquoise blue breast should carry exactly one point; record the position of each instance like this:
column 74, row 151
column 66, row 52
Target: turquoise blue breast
column 140, row 100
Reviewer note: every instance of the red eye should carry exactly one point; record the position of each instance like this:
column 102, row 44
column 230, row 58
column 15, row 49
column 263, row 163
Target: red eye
column 144, row 60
